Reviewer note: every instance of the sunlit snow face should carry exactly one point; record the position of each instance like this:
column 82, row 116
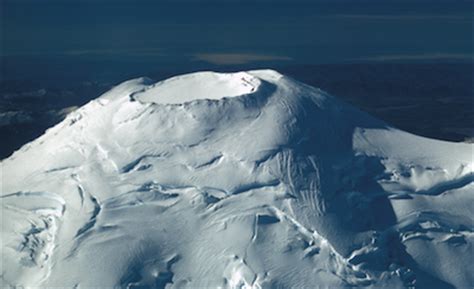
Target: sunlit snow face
column 282, row 186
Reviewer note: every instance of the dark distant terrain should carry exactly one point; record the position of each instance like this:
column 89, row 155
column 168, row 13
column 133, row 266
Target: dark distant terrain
column 429, row 99
column 433, row 100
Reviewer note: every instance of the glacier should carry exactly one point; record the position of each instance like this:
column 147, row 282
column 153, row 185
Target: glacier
column 234, row 180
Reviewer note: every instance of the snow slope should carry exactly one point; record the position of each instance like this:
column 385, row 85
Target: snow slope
column 241, row 180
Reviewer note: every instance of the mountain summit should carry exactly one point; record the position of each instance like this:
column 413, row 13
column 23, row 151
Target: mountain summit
column 237, row 180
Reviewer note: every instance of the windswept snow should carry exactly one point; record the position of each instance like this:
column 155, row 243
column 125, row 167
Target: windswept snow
column 239, row 180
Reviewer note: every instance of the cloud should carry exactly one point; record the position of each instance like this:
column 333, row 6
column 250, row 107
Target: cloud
column 25, row 94
column 14, row 117
column 425, row 56
column 236, row 58
column 129, row 52
column 62, row 113
column 401, row 17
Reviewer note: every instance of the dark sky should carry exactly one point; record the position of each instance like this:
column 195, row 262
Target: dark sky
column 229, row 32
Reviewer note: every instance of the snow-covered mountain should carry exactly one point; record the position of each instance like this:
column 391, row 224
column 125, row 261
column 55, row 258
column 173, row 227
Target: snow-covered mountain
column 240, row 180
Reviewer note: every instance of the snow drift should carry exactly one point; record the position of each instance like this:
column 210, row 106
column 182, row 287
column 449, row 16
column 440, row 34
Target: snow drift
column 240, row 180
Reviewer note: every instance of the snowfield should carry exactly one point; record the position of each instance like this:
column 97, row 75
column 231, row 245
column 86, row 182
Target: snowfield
column 240, row 180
